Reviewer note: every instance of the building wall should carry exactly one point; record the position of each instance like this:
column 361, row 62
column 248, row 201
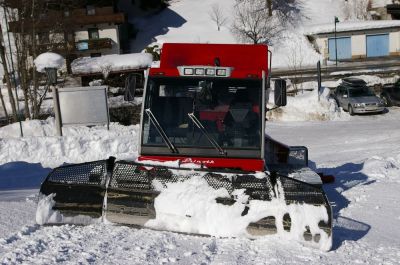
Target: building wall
column 358, row 46
column 358, row 42
column 105, row 31
column 394, row 43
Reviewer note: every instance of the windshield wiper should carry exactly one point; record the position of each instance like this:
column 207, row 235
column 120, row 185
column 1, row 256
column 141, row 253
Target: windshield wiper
column 204, row 131
column 161, row 131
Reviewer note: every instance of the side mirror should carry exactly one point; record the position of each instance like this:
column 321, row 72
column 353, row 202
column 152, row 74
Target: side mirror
column 280, row 93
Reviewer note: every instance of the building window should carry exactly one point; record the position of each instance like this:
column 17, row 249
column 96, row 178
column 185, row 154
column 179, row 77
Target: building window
column 66, row 13
column 93, row 33
column 90, row 10
column 43, row 37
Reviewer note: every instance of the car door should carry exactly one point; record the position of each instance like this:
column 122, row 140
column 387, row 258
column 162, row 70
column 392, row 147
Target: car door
column 345, row 98
column 395, row 93
column 339, row 96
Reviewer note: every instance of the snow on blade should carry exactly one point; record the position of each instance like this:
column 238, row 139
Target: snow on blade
column 46, row 215
column 190, row 206
column 48, row 60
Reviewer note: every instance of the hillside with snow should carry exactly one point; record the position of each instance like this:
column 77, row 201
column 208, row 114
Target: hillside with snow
column 189, row 21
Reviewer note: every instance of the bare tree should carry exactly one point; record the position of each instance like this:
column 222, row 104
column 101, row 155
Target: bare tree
column 7, row 75
column 217, row 16
column 37, row 26
column 253, row 24
column 295, row 59
column 356, row 9
column 3, row 104
column 288, row 11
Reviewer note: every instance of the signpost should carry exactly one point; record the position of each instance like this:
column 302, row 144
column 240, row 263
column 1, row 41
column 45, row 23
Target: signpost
column 83, row 106
column 51, row 74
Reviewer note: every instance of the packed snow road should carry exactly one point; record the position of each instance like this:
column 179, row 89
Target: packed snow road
column 363, row 153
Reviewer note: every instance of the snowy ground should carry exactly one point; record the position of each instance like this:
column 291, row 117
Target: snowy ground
column 362, row 152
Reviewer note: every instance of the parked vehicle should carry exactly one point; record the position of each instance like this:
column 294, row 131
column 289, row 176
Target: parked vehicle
column 354, row 96
column 390, row 94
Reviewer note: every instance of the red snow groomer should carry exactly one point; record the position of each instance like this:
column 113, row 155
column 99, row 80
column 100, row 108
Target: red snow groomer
column 203, row 114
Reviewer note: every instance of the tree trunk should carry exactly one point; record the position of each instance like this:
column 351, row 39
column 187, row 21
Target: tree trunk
column 3, row 104
column 269, row 7
column 35, row 108
column 7, row 76
column 22, row 49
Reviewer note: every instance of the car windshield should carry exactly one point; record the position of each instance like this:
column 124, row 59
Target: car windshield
column 229, row 110
column 361, row 91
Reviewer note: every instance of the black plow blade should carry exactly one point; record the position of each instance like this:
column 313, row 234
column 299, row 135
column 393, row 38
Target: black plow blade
column 133, row 194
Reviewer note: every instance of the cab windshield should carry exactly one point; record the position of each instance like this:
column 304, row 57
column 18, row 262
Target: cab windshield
column 229, row 110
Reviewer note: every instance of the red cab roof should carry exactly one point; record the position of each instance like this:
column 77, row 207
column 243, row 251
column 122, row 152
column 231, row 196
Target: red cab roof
column 246, row 60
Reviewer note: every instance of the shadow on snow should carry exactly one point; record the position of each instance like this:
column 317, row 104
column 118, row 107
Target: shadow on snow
column 158, row 25
column 347, row 176
column 22, row 175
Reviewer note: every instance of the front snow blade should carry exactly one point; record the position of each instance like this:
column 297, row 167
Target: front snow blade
column 125, row 193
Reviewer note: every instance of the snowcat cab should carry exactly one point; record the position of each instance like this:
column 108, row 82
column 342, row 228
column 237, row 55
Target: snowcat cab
column 203, row 114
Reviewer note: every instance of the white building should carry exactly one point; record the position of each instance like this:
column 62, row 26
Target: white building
column 357, row 40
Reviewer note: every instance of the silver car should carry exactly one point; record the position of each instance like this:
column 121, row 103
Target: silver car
column 356, row 97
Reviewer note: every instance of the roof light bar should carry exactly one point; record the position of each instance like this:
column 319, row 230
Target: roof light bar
column 207, row 71
column 199, row 71
column 188, row 71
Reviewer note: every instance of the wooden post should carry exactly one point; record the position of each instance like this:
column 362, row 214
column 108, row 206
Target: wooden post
column 57, row 114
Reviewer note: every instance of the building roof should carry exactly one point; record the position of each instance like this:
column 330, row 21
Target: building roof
column 111, row 63
column 352, row 26
column 380, row 3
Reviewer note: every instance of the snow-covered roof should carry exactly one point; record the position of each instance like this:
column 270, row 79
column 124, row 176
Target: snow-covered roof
column 111, row 63
column 353, row 26
column 48, row 60
column 380, row 3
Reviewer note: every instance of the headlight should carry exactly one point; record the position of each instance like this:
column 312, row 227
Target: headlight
column 358, row 105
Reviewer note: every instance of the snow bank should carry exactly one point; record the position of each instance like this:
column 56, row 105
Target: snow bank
column 306, row 107
column 190, row 206
column 78, row 143
column 45, row 214
column 111, row 63
column 48, row 60
column 383, row 169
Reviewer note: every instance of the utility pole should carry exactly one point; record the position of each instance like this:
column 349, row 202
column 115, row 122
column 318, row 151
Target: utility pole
column 336, row 21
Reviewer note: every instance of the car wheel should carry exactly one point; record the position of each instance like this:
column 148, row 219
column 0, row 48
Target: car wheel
column 386, row 100
column 351, row 111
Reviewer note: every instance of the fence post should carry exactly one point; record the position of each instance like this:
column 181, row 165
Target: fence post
column 57, row 114
column 319, row 79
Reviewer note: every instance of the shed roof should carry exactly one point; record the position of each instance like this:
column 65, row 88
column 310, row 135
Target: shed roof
column 348, row 26
column 111, row 63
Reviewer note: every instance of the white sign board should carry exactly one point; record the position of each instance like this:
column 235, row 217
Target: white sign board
column 83, row 105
